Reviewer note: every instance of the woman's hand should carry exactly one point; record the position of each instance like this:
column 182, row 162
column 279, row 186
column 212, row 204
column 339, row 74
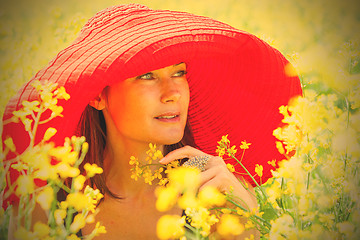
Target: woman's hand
column 216, row 174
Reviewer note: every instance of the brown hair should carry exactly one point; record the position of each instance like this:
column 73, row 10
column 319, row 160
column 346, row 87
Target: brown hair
column 92, row 126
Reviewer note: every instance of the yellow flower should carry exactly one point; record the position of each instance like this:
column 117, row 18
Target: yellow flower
column 136, row 172
column 73, row 237
column 45, row 197
column 147, row 175
column 259, row 170
column 163, row 182
column 170, row 227
column 27, row 124
column 25, row 185
column 79, row 182
column 10, row 144
column 20, row 166
column 85, row 147
column 97, row 230
column 211, row 196
column 31, row 106
column 64, row 153
column 59, row 215
column 158, row 155
column 244, row 145
column 249, row 225
column 281, row 226
column 66, row 171
column 80, row 201
column 230, row 225
column 158, row 173
column 224, row 147
column 290, row 70
column 220, row 151
column 78, row 223
column 226, row 211
column 37, row 85
column 61, row 93
column 166, row 198
column 41, row 229
column 188, row 200
column 201, row 218
column 184, row 178
column 46, row 172
column 22, row 234
column 56, row 110
column 50, row 132
column 133, row 161
column 94, row 194
column 225, row 140
column 274, row 192
column 92, row 169
column 230, row 167
column 272, row 162
column 231, row 151
column 91, row 217
column 280, row 147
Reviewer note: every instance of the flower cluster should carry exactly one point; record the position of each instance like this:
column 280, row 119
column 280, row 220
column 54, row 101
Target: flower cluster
column 151, row 169
column 224, row 148
column 317, row 190
column 202, row 209
column 58, row 169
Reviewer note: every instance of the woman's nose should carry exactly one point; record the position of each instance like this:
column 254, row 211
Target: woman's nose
column 170, row 92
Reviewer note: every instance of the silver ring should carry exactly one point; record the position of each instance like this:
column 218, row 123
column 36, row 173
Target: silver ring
column 198, row 162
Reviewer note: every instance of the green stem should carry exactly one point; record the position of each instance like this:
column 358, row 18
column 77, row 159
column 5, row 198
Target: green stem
column 282, row 200
column 20, row 210
column 29, row 210
column 36, row 124
column 51, row 217
column 69, row 217
column 252, row 178
column 80, row 160
column 323, row 181
column 262, row 191
column 244, row 209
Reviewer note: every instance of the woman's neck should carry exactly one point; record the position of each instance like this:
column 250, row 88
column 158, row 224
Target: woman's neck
column 118, row 170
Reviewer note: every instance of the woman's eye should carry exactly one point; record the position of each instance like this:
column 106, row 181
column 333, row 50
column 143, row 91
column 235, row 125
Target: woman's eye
column 146, row 76
column 180, row 73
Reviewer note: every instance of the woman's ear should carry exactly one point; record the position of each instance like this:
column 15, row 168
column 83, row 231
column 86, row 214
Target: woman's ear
column 98, row 102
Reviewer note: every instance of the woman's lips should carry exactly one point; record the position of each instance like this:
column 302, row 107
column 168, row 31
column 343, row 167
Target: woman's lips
column 168, row 117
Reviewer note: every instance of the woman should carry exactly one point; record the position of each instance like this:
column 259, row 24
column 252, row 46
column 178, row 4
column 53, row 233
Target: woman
column 137, row 75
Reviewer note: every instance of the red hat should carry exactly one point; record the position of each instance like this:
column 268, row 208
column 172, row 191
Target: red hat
column 237, row 81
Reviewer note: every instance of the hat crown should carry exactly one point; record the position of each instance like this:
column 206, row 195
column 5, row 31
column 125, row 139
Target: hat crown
column 109, row 13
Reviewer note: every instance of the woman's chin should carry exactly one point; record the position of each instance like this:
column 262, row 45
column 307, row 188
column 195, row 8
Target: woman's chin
column 169, row 140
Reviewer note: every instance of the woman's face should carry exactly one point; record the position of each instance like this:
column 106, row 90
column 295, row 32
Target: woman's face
column 149, row 108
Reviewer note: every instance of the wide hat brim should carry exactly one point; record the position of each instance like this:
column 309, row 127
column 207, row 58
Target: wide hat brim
column 237, row 81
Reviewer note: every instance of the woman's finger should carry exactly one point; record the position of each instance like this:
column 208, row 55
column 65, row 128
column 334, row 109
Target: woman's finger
column 216, row 183
column 217, row 176
column 208, row 175
column 184, row 152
